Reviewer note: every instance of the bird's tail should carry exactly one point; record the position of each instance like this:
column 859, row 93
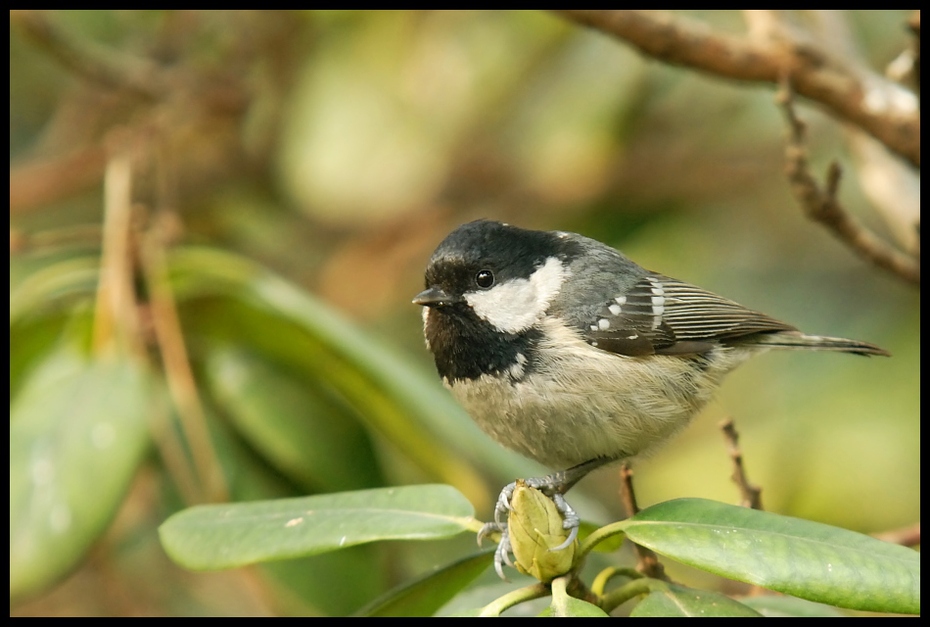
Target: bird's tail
column 799, row 341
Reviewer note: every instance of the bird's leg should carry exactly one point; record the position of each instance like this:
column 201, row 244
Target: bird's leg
column 554, row 486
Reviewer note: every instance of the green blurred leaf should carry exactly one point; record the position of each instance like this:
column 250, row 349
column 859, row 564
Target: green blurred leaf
column 46, row 284
column 225, row 296
column 317, row 584
column 211, row 537
column 425, row 595
column 312, row 438
column 78, row 430
column 798, row 557
column 675, row 600
column 30, row 342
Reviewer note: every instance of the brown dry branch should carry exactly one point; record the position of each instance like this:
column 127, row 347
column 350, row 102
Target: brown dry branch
column 881, row 108
column 198, row 109
column 178, row 372
column 646, row 561
column 751, row 493
column 47, row 180
column 823, row 206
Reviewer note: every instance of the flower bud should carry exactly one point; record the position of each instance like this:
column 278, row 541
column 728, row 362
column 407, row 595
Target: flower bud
column 535, row 527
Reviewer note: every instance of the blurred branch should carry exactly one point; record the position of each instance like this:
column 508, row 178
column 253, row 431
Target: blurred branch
column 107, row 66
column 881, row 108
column 42, row 181
column 905, row 68
column 752, row 494
column 115, row 322
column 822, row 205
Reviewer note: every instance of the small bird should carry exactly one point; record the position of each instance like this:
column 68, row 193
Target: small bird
column 566, row 351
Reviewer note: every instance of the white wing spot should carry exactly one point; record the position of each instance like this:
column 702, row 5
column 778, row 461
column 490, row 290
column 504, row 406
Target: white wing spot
column 603, row 324
column 658, row 305
column 621, row 300
column 614, row 309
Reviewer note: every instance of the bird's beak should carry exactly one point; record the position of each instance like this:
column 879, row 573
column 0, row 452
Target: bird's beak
column 433, row 297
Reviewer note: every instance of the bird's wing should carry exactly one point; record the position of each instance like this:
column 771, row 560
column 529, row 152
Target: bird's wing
column 665, row 316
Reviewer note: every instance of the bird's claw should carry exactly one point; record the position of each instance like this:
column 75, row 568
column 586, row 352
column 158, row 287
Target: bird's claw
column 503, row 550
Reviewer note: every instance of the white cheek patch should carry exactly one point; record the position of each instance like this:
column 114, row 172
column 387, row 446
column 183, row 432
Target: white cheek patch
column 516, row 305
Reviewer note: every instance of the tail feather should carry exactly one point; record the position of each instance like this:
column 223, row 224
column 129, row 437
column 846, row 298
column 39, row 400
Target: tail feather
column 799, row 341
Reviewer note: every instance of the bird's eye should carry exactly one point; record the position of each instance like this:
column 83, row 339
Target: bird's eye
column 484, row 279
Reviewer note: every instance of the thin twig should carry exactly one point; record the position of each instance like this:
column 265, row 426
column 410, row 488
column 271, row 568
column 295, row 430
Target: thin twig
column 751, row 493
column 905, row 536
column 881, row 108
column 178, row 373
column 822, row 205
column 647, row 561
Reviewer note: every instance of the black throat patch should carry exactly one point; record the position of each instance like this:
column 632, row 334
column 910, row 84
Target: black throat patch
column 466, row 347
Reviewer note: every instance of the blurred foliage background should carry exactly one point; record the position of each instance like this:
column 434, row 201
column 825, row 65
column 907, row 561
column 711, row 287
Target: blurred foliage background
column 218, row 220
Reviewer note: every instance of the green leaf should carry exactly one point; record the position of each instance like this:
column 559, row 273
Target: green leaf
column 797, row 557
column 310, row 437
column 211, row 537
column 775, row 606
column 425, row 595
column 675, row 600
column 78, row 431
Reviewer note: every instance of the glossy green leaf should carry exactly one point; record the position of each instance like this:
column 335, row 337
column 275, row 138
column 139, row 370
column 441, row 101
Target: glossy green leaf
column 797, row 557
column 675, row 600
column 311, row 437
column 210, row 537
column 425, row 595
column 78, row 430
column 565, row 605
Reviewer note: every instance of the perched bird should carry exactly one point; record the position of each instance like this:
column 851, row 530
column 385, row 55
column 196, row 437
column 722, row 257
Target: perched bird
column 564, row 350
